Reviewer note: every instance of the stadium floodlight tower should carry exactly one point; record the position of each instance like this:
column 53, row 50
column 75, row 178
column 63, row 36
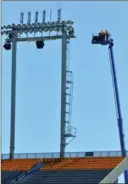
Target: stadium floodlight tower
column 104, row 38
column 62, row 30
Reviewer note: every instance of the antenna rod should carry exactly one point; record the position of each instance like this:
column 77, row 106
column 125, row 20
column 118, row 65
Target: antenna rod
column 44, row 16
column 59, row 15
column 50, row 19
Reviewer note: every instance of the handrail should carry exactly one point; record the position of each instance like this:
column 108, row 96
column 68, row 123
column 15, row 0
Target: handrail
column 27, row 174
column 67, row 154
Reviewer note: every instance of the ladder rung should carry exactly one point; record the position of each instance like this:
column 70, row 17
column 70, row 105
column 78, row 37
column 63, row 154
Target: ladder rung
column 69, row 81
column 68, row 94
column 69, row 135
column 69, row 71
column 67, row 103
column 67, row 87
column 66, row 112
column 66, row 121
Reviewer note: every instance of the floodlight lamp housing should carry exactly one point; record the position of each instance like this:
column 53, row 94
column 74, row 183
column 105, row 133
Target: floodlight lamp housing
column 7, row 46
column 40, row 44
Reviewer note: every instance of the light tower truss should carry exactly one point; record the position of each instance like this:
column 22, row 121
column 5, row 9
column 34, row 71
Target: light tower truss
column 51, row 30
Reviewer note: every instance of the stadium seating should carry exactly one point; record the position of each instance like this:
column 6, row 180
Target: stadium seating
column 72, row 163
column 85, row 163
column 65, row 171
column 61, row 177
column 7, row 176
column 18, row 164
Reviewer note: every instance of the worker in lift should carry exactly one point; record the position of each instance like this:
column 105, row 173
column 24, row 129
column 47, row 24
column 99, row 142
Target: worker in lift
column 107, row 34
column 102, row 36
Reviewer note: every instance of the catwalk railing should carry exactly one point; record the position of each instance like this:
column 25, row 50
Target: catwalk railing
column 67, row 154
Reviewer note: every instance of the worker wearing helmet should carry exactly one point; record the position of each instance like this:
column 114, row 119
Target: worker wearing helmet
column 102, row 35
column 107, row 34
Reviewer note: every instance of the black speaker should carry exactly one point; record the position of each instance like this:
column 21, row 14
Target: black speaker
column 39, row 44
column 7, row 46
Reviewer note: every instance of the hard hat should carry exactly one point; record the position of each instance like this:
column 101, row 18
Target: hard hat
column 106, row 31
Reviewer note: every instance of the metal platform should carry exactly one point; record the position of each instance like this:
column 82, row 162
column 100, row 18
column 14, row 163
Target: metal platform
column 100, row 39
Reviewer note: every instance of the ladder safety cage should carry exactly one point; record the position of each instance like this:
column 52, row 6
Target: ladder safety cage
column 70, row 131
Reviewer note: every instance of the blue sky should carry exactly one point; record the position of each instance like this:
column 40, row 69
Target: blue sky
column 38, row 80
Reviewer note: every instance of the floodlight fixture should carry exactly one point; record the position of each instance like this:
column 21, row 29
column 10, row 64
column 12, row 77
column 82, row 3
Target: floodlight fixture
column 57, row 30
column 7, row 46
column 10, row 35
column 53, row 26
column 40, row 44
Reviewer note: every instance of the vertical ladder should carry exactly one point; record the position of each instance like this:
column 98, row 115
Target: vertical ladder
column 70, row 131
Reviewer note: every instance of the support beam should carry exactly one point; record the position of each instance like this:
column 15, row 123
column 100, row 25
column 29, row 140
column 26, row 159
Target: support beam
column 63, row 96
column 116, row 172
column 44, row 38
column 13, row 98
